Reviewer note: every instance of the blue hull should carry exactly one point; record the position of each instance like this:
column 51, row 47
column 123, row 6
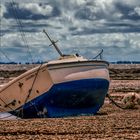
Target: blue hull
column 80, row 97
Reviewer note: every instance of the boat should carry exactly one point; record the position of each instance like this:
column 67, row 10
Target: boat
column 69, row 86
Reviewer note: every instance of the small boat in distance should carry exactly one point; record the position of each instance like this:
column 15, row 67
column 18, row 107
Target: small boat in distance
column 69, row 86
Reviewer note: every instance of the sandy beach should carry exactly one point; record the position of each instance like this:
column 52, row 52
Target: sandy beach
column 111, row 122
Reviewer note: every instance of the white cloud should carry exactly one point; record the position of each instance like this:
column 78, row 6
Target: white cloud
column 101, row 9
column 64, row 28
column 137, row 10
column 78, row 2
column 35, row 8
column 2, row 10
column 25, row 1
column 131, row 3
column 108, row 8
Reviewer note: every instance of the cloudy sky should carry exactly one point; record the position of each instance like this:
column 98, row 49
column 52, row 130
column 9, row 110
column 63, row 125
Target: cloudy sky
column 81, row 26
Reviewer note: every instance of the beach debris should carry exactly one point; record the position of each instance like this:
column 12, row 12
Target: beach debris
column 131, row 100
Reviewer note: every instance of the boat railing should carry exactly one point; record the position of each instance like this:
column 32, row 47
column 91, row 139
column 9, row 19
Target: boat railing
column 99, row 55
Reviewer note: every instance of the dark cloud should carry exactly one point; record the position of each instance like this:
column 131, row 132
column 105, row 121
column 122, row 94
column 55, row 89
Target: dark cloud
column 85, row 13
column 14, row 10
column 121, row 25
column 87, row 31
column 127, row 11
column 81, row 25
column 72, row 28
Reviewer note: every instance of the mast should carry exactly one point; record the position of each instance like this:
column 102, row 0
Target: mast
column 54, row 44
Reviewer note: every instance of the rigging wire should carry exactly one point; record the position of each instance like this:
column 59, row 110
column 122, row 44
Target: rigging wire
column 20, row 111
column 24, row 40
column 2, row 52
column 99, row 55
column 19, row 23
column 30, row 91
column 0, row 27
column 12, row 4
column 6, row 56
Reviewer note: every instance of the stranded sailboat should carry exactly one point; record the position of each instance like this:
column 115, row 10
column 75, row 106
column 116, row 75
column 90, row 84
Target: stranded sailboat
column 69, row 86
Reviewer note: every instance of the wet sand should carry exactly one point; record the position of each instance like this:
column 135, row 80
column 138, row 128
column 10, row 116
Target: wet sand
column 111, row 122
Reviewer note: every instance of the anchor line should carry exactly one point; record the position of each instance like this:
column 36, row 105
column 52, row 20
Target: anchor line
column 21, row 109
column 115, row 103
column 30, row 92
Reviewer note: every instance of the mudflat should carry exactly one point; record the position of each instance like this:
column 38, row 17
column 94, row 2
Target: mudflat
column 111, row 122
